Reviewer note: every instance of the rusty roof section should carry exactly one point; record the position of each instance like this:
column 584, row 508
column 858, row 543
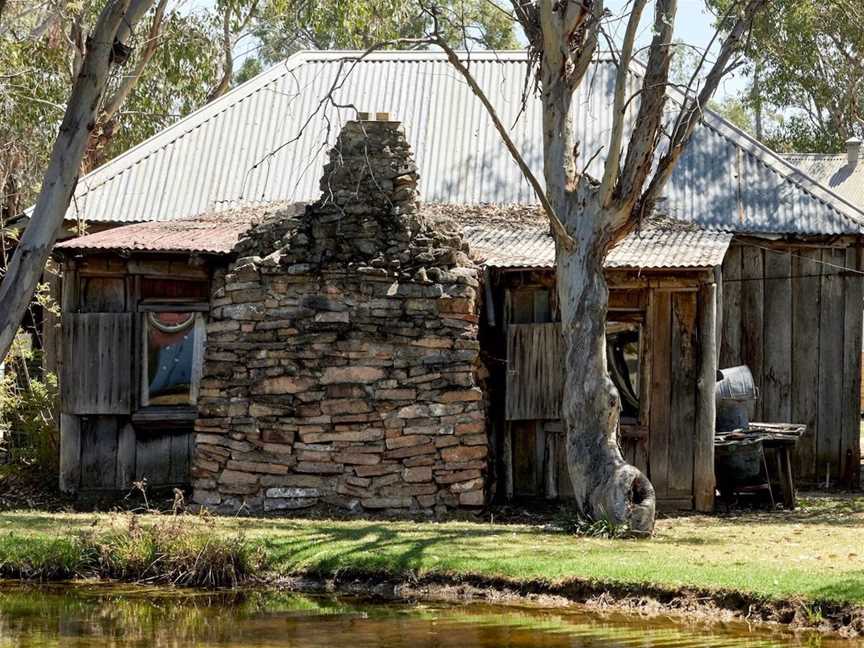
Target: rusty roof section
column 512, row 236
column 213, row 233
column 517, row 236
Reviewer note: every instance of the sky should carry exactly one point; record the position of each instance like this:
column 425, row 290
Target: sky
column 693, row 25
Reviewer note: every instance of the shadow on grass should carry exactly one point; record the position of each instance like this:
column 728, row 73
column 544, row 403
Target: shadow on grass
column 833, row 509
column 327, row 548
column 849, row 588
column 28, row 521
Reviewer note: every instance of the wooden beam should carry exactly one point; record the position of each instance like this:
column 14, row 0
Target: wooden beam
column 703, row 460
column 550, row 464
column 125, row 456
column 70, row 453
column 507, row 452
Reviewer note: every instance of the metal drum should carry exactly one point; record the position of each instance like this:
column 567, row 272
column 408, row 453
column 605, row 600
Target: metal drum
column 735, row 390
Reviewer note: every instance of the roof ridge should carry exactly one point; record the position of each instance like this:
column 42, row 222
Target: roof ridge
column 746, row 142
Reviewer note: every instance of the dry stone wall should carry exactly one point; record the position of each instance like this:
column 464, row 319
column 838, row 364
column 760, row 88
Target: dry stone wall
column 342, row 351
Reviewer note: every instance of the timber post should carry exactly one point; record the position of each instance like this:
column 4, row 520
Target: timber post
column 703, row 464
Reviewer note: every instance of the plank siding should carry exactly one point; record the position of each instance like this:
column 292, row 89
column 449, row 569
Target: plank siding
column 99, row 438
column 777, row 337
column 829, row 419
column 753, row 318
column 661, row 379
column 852, row 316
column 682, row 411
column 799, row 330
column 806, row 298
column 730, row 344
column 535, row 370
column 97, row 372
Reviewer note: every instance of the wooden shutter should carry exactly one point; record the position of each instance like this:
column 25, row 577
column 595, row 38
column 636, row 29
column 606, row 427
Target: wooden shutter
column 535, row 371
column 97, row 363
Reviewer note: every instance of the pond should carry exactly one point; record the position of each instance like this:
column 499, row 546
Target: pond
column 99, row 617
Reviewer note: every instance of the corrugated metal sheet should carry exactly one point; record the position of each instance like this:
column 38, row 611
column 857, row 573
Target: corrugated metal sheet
column 266, row 140
column 211, row 233
column 835, row 172
column 513, row 237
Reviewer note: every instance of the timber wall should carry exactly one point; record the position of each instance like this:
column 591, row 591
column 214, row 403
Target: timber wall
column 666, row 441
column 109, row 438
column 793, row 314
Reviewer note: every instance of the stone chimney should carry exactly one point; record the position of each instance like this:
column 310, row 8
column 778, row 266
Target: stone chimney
column 368, row 202
column 853, row 150
column 342, row 365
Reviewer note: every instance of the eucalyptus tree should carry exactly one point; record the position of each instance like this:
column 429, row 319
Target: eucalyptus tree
column 105, row 47
column 806, row 62
column 588, row 215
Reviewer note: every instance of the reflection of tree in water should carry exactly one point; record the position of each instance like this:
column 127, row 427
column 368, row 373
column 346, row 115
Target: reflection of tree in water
column 104, row 617
column 170, row 346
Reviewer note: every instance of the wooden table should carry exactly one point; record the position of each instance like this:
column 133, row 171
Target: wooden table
column 780, row 437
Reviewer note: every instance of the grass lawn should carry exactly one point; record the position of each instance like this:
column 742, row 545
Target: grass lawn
column 816, row 552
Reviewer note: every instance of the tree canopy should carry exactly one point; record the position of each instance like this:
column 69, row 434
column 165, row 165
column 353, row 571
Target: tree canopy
column 806, row 69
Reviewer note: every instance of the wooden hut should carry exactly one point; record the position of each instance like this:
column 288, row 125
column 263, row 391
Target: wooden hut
column 132, row 296
column 662, row 341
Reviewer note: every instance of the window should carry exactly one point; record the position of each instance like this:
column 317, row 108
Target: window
column 622, row 357
column 173, row 343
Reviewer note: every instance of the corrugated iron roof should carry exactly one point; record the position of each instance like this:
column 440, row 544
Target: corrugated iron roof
column 266, row 140
column 513, row 236
column 835, row 172
column 210, row 233
column 518, row 237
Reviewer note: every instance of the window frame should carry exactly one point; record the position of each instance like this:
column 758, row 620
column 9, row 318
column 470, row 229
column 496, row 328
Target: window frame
column 200, row 330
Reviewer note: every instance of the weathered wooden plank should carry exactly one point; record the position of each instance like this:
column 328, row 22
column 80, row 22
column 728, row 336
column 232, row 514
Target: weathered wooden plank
column 180, row 457
column 550, row 463
column 682, row 431
column 98, row 452
column 153, row 458
column 661, row 380
column 535, row 371
column 850, row 451
column 565, row 486
column 507, row 454
column 806, row 270
column 703, row 455
column 97, row 363
column 730, row 351
column 70, row 453
column 527, row 471
column 125, row 456
column 542, row 307
column 752, row 318
column 103, row 294
column 522, row 306
column 829, row 425
column 777, row 337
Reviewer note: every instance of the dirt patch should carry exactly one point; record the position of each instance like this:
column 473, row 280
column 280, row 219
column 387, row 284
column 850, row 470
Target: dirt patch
column 688, row 604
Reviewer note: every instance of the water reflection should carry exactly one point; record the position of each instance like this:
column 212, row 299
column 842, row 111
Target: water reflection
column 100, row 617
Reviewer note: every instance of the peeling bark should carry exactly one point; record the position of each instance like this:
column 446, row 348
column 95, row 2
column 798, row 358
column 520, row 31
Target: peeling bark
column 605, row 486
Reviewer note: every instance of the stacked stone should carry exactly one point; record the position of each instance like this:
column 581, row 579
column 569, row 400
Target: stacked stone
column 342, row 352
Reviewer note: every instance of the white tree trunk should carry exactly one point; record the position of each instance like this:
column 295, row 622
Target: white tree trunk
column 605, row 486
column 58, row 184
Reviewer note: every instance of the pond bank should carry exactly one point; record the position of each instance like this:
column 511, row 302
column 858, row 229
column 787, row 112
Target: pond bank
column 643, row 600
column 804, row 568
